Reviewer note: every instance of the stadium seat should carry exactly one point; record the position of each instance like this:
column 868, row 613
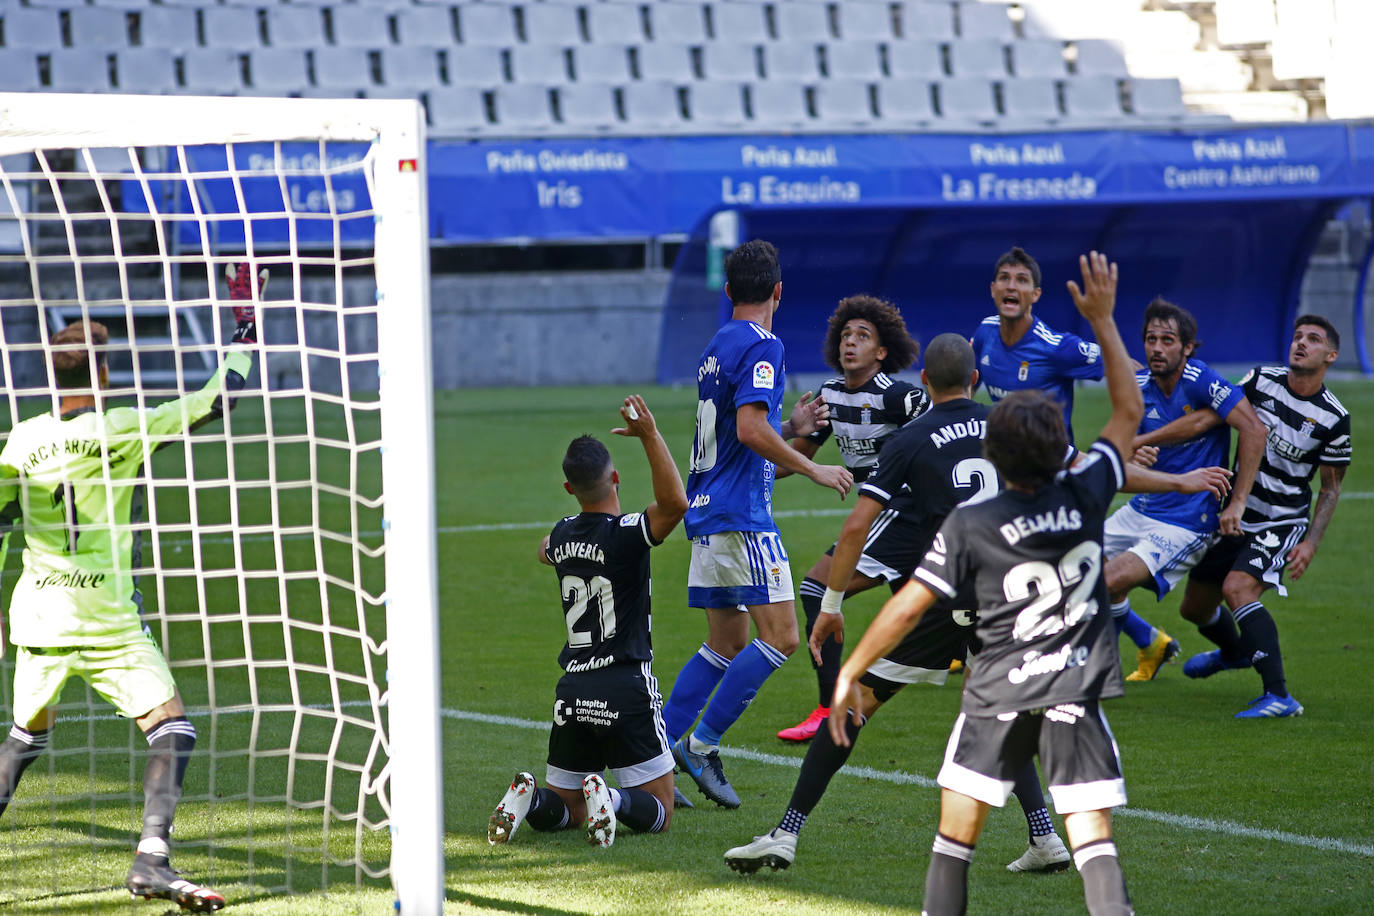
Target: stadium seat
column 860, row 60
column 189, row 3
column 18, row 70
column 795, row 60
column 978, row 57
column 844, row 104
column 475, row 65
column 487, row 24
column 32, row 29
column 342, row 68
column 870, row 21
column 458, row 109
column 652, row 106
column 736, row 22
column 904, row 103
column 716, row 105
column 278, row 70
column 779, row 104
column 522, row 107
column 151, row 70
column 1038, row 57
column 1093, row 99
column 1030, row 102
column 167, row 27
column 1099, row 57
column 922, row 19
column 384, row 4
column 295, row 26
column 353, row 25
column 614, row 23
column 601, row 63
column 967, row 100
column 424, row 27
column 541, row 64
column 97, row 28
column 985, row 20
column 129, row 5
column 678, row 23
column 729, row 60
column 802, row 20
column 1157, row 99
column 409, row 69
column 664, row 61
column 915, row 59
column 78, row 70
column 587, row 107
column 211, row 71
column 232, row 27
column 550, row 24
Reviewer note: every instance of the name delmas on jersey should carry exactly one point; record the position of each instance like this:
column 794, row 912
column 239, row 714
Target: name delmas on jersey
column 964, row 429
column 1065, row 519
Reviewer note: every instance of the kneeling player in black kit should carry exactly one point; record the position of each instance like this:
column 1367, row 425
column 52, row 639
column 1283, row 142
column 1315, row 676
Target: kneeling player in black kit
column 607, row 709
column 1034, row 556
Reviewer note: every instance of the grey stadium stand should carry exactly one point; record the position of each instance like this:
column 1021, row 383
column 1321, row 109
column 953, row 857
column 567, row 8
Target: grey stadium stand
column 1038, row 57
column 458, row 109
column 1099, row 57
column 802, row 20
column 354, row 25
column 1093, row 99
column 97, row 28
column 1157, row 99
column 295, row 26
column 683, row 23
column 548, row 24
column 18, row 71
column 779, row 104
column 922, row 19
column 652, row 106
column 796, row 60
column 522, row 107
column 230, row 27
column 978, row 57
column 905, row 103
column 211, row 71
column 844, row 104
column 475, row 65
column 664, row 61
column 985, row 20
column 587, row 106
column 167, row 27
column 486, row 24
column 716, row 105
column 151, row 70
column 409, row 70
column 538, row 64
column 966, row 101
column 857, row 59
column 78, row 70
column 424, row 27
column 342, row 68
column 729, row 60
column 739, row 22
column 858, row 20
column 614, row 23
column 915, row 59
column 278, row 70
column 601, row 63
column 32, row 29
column 1029, row 102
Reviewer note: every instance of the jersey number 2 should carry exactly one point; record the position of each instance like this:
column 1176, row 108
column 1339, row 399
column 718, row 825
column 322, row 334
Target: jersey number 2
column 578, row 593
column 1078, row 568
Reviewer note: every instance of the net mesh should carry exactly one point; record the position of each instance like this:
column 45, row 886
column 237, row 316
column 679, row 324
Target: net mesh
column 261, row 561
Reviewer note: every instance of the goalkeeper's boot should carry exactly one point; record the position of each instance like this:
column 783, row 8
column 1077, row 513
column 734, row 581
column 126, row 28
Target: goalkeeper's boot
column 1271, row 706
column 1206, row 664
column 706, row 772
column 806, row 729
column 600, row 812
column 777, row 849
column 153, row 877
column 1149, row 659
column 510, row 814
column 1045, row 853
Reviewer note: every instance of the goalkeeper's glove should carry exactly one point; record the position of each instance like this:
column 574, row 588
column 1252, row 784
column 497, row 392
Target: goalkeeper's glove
column 240, row 279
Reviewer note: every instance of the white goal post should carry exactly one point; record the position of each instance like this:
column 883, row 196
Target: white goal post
column 393, row 172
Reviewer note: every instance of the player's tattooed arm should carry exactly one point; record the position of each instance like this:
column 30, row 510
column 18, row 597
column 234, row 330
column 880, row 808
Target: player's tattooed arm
column 1300, row 557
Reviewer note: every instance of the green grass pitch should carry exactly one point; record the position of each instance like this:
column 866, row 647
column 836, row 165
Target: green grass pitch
column 1225, row 816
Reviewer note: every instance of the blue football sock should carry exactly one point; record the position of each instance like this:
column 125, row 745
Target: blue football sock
column 1132, row 624
column 694, row 684
column 741, row 682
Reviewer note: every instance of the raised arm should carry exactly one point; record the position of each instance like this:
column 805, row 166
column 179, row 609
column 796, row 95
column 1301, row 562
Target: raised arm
column 757, row 434
column 1251, row 434
column 670, row 499
column 1096, row 302
column 1215, row 480
column 1302, row 553
column 1189, row 426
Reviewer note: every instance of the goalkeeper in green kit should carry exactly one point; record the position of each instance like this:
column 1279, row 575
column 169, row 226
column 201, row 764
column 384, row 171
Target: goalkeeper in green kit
column 72, row 478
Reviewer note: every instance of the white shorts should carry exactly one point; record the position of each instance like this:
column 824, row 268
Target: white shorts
column 1168, row 551
column 741, row 569
column 133, row 677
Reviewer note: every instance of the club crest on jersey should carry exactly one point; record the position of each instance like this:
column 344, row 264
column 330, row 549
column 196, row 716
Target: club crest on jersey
column 1090, row 351
column 1308, row 424
column 865, row 415
column 776, row 573
column 763, row 374
column 1024, row 372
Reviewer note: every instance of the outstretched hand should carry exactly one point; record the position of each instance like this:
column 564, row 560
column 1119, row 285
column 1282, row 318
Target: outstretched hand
column 1097, row 298
column 808, row 415
column 239, row 278
column 639, row 422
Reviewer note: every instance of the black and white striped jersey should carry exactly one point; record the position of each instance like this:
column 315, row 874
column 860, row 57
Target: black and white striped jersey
column 1304, row 432
column 863, row 418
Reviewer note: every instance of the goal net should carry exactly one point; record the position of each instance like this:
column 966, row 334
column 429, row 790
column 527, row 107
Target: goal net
column 286, row 554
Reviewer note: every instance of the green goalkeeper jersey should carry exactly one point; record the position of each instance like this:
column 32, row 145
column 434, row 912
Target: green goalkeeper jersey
column 74, row 481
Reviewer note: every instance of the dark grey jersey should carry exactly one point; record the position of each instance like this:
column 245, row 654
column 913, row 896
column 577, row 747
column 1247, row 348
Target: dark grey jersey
column 863, row 418
column 603, row 575
column 1035, row 560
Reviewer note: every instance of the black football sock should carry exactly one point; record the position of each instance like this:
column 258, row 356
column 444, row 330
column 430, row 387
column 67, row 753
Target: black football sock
column 547, row 811
column 947, row 878
column 639, row 810
column 823, row 760
column 170, row 743
column 1221, row 630
column 1104, row 886
column 17, row 751
column 829, row 669
column 1032, row 798
column 1260, row 637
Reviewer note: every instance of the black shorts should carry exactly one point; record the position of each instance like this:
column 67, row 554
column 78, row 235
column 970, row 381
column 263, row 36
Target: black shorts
column 923, row 656
column 891, row 550
column 608, row 719
column 1262, row 555
column 1077, row 753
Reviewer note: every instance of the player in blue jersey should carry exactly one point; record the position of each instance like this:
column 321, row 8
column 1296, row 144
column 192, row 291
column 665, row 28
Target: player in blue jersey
column 738, row 560
column 1015, row 350
column 1156, row 538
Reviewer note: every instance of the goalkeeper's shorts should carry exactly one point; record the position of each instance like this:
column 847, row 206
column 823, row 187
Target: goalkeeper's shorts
column 133, row 677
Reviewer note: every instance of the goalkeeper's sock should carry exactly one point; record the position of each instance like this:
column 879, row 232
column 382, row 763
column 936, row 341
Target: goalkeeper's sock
column 638, row 809
column 694, row 684
column 170, row 743
column 738, row 687
column 548, row 811
column 1132, row 624
column 17, row 751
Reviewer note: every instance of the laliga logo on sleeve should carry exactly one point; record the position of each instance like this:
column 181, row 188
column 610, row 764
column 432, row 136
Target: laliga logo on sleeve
column 763, row 374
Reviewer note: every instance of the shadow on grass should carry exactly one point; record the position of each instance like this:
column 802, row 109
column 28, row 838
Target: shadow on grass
column 508, row 906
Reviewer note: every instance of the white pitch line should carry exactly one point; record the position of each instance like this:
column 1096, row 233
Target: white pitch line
column 898, row 777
